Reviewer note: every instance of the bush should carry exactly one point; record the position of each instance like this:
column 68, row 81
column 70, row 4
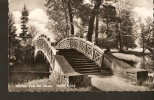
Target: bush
column 58, row 77
column 149, row 82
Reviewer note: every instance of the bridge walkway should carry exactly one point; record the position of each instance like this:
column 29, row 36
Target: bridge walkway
column 79, row 62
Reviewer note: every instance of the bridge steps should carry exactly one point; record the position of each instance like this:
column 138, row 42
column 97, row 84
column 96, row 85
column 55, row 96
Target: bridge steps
column 78, row 59
column 79, row 62
column 85, row 63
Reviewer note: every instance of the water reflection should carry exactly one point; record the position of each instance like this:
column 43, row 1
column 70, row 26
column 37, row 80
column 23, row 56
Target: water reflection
column 20, row 77
column 145, row 62
column 24, row 72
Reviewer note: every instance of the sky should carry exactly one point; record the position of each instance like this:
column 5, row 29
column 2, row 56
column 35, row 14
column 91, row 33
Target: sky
column 38, row 16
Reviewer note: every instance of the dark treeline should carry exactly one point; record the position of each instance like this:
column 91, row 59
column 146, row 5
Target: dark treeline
column 20, row 46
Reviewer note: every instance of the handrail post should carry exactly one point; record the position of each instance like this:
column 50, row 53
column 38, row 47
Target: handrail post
column 102, row 62
column 93, row 52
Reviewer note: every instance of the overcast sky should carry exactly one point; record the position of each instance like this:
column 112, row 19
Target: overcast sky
column 38, row 17
column 37, row 14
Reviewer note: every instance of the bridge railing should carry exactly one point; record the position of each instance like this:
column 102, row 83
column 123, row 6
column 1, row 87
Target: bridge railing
column 46, row 46
column 87, row 48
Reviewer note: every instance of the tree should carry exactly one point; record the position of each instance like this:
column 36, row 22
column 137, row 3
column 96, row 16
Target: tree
column 146, row 35
column 58, row 19
column 24, row 20
column 96, row 29
column 127, row 30
column 32, row 31
column 92, row 18
column 69, row 6
column 25, row 51
column 13, row 41
column 126, row 22
column 107, row 16
column 61, row 17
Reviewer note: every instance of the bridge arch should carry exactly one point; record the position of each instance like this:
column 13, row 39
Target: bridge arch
column 43, row 44
column 87, row 48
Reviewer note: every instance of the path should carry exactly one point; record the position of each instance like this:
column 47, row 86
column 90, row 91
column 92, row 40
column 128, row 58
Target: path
column 113, row 83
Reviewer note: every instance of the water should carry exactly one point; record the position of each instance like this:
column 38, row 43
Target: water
column 23, row 77
column 145, row 62
column 141, row 61
column 25, row 72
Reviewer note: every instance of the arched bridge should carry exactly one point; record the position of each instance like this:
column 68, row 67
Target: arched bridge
column 75, row 56
column 76, row 51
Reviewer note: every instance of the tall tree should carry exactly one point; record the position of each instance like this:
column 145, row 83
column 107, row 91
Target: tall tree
column 126, row 22
column 24, row 20
column 146, row 35
column 61, row 13
column 13, row 41
column 97, row 4
column 108, row 15
column 58, row 18
column 96, row 29
column 69, row 6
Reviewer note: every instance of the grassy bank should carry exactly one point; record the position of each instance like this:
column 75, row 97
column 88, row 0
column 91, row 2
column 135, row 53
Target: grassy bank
column 20, row 81
column 46, row 85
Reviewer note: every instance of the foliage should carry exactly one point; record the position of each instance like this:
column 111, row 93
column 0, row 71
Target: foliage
column 118, row 25
column 58, row 77
column 61, row 17
column 108, row 35
column 32, row 31
column 13, row 41
column 93, row 14
column 83, row 12
column 149, row 82
column 127, row 29
column 26, row 52
column 146, row 35
column 58, row 19
column 117, row 22
column 24, row 20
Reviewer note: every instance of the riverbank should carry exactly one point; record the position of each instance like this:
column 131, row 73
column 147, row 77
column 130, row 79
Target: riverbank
column 25, row 77
column 47, row 85
column 103, row 83
column 29, row 66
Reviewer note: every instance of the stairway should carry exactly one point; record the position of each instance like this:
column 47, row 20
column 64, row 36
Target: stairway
column 80, row 62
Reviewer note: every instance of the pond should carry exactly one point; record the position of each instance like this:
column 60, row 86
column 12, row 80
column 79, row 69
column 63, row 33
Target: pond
column 23, row 77
column 138, row 61
column 145, row 62
column 25, row 72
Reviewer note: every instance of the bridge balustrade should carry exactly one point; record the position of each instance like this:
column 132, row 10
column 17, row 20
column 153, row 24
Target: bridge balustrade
column 87, row 48
column 43, row 44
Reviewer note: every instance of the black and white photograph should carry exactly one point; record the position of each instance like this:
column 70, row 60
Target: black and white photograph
column 80, row 45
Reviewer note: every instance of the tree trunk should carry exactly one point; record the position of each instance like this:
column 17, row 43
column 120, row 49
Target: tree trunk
column 96, row 30
column 65, row 19
column 120, row 42
column 71, row 18
column 120, row 39
column 91, row 27
column 92, row 18
column 143, row 42
column 107, row 24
